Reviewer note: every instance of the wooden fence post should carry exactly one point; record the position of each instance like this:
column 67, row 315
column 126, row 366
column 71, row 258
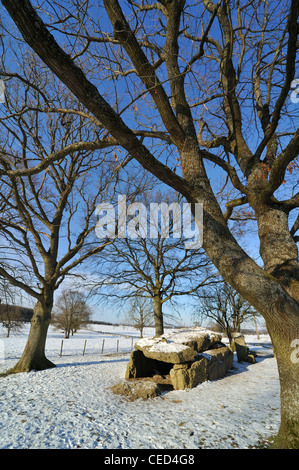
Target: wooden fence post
column 61, row 348
column 84, row 346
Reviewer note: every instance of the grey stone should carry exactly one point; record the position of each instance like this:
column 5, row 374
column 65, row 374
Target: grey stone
column 178, row 347
column 185, row 353
column 219, row 361
column 183, row 359
column 243, row 352
column 134, row 390
column 210, row 365
column 180, row 377
column 198, row 372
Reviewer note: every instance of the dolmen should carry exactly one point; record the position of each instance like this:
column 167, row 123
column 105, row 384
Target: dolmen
column 182, row 359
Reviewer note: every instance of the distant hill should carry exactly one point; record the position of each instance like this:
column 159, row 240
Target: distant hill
column 24, row 313
column 96, row 322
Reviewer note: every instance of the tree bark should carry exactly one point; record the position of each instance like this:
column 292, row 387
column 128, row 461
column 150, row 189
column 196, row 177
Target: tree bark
column 158, row 316
column 229, row 336
column 33, row 357
column 256, row 327
column 278, row 249
column 282, row 334
column 271, row 297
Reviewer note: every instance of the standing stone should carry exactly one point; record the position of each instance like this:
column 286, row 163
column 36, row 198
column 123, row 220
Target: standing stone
column 198, row 372
column 137, row 389
column 179, row 376
column 219, row 362
column 242, row 350
column 210, row 365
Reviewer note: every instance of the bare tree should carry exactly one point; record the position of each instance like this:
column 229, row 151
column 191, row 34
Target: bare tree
column 155, row 263
column 47, row 227
column 215, row 83
column 70, row 312
column 226, row 307
column 10, row 318
column 10, row 314
column 140, row 314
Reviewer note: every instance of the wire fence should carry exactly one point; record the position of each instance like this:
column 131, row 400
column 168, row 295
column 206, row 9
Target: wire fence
column 105, row 346
column 12, row 348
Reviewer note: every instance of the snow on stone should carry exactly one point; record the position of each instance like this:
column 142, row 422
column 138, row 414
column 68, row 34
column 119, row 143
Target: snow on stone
column 173, row 342
column 158, row 345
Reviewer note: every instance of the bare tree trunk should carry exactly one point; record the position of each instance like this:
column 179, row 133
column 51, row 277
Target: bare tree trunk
column 282, row 335
column 33, row 357
column 256, row 327
column 230, row 337
column 274, row 299
column 66, row 333
column 141, row 326
column 158, row 316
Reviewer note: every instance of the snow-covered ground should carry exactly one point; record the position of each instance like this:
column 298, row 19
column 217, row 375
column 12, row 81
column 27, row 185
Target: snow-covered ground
column 71, row 406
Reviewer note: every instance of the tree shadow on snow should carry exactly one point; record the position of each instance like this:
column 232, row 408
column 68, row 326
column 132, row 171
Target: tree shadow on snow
column 239, row 367
column 90, row 363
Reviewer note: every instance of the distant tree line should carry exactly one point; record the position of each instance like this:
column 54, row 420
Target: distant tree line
column 12, row 317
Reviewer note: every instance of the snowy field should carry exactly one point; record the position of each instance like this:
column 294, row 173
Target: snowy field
column 72, row 407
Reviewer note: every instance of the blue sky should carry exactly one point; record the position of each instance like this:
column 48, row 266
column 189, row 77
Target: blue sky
column 250, row 241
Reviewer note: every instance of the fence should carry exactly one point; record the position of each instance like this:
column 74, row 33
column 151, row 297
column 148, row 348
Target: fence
column 112, row 346
column 81, row 344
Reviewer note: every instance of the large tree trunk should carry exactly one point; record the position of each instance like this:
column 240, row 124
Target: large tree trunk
column 278, row 248
column 158, row 316
column 283, row 332
column 33, row 357
column 280, row 256
column 281, row 311
column 272, row 291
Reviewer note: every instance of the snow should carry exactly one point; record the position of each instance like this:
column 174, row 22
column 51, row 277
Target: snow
column 71, row 406
column 166, row 347
column 173, row 341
